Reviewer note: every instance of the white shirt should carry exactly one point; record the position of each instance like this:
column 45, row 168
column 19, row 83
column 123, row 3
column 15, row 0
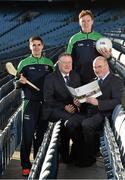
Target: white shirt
column 64, row 76
column 104, row 76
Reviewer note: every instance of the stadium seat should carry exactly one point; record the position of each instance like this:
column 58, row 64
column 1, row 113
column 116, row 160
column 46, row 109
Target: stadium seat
column 116, row 111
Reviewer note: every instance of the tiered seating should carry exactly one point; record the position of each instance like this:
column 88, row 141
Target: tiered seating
column 116, row 54
column 118, row 119
column 46, row 162
column 9, row 21
column 110, row 20
column 4, row 79
column 55, row 28
column 10, row 119
column 44, row 24
column 61, row 35
column 8, row 106
column 50, row 164
column 6, row 88
column 110, row 150
column 117, row 62
column 10, row 127
column 37, row 164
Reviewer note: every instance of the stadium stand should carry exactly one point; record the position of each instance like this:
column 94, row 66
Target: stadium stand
column 46, row 162
column 36, row 167
column 56, row 25
column 110, row 150
column 10, row 138
column 50, row 164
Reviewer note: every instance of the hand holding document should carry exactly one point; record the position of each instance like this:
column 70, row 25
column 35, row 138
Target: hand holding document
column 89, row 90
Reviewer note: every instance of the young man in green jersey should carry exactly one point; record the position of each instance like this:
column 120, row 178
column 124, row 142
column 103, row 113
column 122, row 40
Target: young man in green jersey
column 33, row 68
column 82, row 47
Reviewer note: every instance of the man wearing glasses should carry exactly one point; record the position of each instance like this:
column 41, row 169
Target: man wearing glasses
column 112, row 88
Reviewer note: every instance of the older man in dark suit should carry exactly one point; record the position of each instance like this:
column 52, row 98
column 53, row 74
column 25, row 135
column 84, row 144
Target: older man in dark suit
column 59, row 104
column 112, row 88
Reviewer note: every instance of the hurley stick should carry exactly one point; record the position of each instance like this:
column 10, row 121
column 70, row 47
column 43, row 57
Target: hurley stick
column 11, row 70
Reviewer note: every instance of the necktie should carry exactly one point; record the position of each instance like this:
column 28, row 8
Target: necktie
column 100, row 81
column 66, row 80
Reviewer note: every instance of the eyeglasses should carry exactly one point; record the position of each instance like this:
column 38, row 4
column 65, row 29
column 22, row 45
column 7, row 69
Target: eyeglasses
column 98, row 67
column 65, row 62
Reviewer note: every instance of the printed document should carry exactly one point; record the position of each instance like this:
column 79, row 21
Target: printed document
column 89, row 90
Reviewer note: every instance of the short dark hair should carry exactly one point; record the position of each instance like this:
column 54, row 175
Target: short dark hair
column 35, row 38
column 86, row 12
column 63, row 54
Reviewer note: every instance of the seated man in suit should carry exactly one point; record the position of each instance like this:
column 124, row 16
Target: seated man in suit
column 59, row 104
column 112, row 88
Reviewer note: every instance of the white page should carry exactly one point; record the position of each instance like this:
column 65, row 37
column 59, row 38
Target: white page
column 89, row 90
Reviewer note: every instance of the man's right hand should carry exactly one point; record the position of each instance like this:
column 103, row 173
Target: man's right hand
column 76, row 102
column 22, row 79
column 106, row 53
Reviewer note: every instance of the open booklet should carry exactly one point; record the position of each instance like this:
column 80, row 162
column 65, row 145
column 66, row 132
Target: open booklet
column 89, row 90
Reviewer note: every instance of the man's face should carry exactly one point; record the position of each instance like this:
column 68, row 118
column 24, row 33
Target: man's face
column 86, row 23
column 100, row 68
column 65, row 64
column 36, row 48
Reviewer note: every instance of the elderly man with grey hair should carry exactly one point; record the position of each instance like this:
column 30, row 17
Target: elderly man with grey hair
column 112, row 88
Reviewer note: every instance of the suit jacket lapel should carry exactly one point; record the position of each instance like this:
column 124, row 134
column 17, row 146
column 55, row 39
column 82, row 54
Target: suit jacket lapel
column 62, row 82
column 106, row 80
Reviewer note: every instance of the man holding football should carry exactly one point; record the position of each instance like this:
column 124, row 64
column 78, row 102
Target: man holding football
column 82, row 47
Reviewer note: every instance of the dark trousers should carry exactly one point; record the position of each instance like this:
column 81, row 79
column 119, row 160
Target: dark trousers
column 39, row 134
column 31, row 114
column 75, row 130
column 64, row 143
column 72, row 131
column 90, row 128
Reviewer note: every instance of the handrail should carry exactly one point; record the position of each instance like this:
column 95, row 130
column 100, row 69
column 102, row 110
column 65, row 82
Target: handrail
column 36, row 167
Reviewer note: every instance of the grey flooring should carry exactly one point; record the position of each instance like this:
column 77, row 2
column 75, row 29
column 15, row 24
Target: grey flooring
column 14, row 170
column 96, row 171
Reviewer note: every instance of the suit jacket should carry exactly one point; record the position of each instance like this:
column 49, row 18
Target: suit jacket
column 112, row 89
column 57, row 95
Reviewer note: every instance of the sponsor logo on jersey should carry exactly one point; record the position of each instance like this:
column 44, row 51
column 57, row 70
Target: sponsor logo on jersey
column 31, row 67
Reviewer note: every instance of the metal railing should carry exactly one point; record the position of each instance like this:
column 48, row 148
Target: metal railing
column 10, row 138
column 110, row 150
column 45, row 164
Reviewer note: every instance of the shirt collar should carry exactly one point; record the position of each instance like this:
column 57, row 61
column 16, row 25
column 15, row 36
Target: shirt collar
column 35, row 57
column 64, row 74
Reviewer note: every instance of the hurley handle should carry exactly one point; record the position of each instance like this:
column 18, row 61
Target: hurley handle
column 11, row 70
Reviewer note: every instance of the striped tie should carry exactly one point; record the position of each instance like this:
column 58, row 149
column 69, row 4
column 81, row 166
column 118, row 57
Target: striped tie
column 100, row 81
column 66, row 80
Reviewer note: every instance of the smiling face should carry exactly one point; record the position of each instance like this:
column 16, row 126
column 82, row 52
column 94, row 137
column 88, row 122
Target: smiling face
column 36, row 48
column 65, row 64
column 86, row 23
column 100, row 67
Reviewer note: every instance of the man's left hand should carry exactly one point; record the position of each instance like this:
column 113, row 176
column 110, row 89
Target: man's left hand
column 92, row 100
